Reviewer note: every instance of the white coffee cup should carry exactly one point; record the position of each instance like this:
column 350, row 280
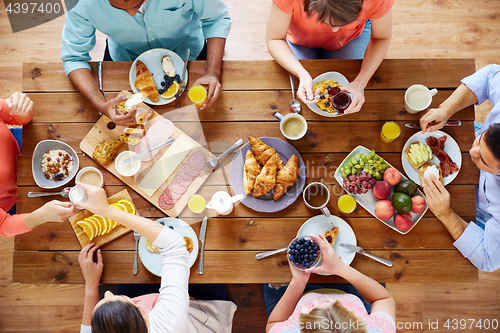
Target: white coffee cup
column 293, row 126
column 418, row 98
column 96, row 179
column 314, row 192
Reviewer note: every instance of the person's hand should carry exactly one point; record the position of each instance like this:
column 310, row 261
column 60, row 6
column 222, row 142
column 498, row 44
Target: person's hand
column 109, row 109
column 91, row 270
column 305, row 91
column 299, row 276
column 96, row 202
column 214, row 89
column 331, row 261
column 19, row 104
column 438, row 117
column 56, row 211
column 357, row 91
column 438, row 198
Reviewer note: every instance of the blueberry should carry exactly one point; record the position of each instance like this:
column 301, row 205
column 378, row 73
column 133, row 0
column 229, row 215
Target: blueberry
column 292, row 258
column 307, row 265
column 165, row 77
column 163, row 83
column 178, row 80
column 328, row 87
column 177, row 76
column 322, row 97
column 171, row 227
column 327, row 103
column 161, row 91
column 176, row 95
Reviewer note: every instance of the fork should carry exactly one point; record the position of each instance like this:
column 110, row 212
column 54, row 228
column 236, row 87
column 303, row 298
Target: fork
column 183, row 83
column 213, row 162
column 137, row 236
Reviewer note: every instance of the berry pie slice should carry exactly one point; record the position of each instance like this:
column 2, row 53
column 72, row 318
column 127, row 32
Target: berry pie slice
column 331, row 234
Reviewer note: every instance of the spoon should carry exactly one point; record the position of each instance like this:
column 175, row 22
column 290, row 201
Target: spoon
column 294, row 104
column 64, row 193
column 269, row 253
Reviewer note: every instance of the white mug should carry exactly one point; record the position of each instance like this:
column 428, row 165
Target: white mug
column 418, row 98
column 293, row 132
column 310, row 193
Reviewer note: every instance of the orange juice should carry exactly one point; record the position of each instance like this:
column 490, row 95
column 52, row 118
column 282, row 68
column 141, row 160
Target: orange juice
column 196, row 203
column 346, row 203
column 390, row 131
column 198, row 95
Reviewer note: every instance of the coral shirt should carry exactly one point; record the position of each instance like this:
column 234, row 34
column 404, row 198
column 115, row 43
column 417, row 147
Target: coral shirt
column 9, row 225
column 307, row 31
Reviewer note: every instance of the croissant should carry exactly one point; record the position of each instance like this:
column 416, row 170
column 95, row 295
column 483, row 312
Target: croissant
column 266, row 179
column 263, row 152
column 287, row 176
column 250, row 173
column 144, row 81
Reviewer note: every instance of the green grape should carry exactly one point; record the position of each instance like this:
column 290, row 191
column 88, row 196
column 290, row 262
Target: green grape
column 362, row 156
column 381, row 160
column 376, row 175
column 353, row 160
column 371, row 172
column 353, row 171
column 372, row 153
column 370, row 161
column 359, row 167
column 342, row 169
column 361, row 163
column 347, row 172
column 366, row 169
column 357, row 157
column 349, row 165
column 344, row 174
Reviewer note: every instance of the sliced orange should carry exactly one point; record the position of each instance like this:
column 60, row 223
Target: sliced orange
column 128, row 205
column 104, row 223
column 171, row 91
column 101, row 227
column 87, row 227
column 119, row 206
column 114, row 224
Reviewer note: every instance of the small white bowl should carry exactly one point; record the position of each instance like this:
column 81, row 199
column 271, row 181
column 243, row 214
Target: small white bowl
column 90, row 169
column 127, row 169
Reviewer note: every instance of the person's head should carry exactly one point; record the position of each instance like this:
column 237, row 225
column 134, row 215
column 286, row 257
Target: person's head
column 335, row 13
column 485, row 151
column 117, row 314
column 330, row 317
column 130, row 6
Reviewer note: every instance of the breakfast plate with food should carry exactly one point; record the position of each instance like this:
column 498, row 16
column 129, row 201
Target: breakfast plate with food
column 157, row 73
column 269, row 172
column 149, row 253
column 329, row 84
column 335, row 230
column 434, row 152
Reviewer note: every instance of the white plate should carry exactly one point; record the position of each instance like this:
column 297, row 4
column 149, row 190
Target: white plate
column 152, row 60
column 320, row 223
column 368, row 201
column 152, row 260
column 450, row 146
column 337, row 77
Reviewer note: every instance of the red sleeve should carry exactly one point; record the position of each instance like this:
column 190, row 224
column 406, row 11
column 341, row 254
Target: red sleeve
column 286, row 6
column 380, row 8
column 11, row 225
column 10, row 119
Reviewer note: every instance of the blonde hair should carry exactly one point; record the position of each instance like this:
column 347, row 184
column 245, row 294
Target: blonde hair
column 321, row 321
column 334, row 12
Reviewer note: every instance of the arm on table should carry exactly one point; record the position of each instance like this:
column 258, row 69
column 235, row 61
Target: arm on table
column 276, row 31
column 92, row 272
column 380, row 39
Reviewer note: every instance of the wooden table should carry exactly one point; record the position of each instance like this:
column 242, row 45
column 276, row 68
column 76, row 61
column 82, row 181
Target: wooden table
column 253, row 90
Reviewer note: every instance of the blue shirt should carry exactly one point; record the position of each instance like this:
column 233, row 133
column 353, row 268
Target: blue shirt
column 174, row 24
column 482, row 247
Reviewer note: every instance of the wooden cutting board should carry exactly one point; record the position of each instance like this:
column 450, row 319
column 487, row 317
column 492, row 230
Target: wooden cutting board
column 100, row 132
column 119, row 231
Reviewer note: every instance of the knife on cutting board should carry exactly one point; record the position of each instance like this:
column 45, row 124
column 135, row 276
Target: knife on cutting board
column 203, row 231
column 448, row 123
column 143, row 154
column 359, row 250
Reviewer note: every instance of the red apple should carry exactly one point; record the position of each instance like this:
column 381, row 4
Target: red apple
column 403, row 221
column 392, row 176
column 384, row 209
column 418, row 204
column 382, row 190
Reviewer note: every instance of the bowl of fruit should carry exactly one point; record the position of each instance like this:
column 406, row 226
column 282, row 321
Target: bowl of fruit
column 303, row 253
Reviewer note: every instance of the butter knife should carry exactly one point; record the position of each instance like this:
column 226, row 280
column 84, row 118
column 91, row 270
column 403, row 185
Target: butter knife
column 448, row 123
column 203, row 232
column 183, row 83
column 360, row 251
column 99, row 77
column 143, row 154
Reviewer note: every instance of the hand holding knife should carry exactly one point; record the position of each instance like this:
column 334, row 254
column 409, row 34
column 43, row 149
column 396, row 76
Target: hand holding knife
column 359, row 250
column 448, row 123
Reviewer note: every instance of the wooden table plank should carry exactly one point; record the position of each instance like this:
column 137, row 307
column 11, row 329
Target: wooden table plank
column 316, row 169
column 240, row 75
column 242, row 267
column 237, row 106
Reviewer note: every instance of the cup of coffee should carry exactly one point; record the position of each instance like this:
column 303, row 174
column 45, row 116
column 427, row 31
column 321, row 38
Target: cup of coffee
column 316, row 196
column 293, row 126
column 418, row 98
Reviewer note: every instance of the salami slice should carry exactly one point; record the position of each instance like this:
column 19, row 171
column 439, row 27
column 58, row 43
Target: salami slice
column 197, row 161
column 165, row 200
column 192, row 172
column 178, row 188
column 174, row 195
column 182, row 173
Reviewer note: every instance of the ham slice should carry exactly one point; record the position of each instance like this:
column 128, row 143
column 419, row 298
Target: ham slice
column 160, row 131
column 448, row 167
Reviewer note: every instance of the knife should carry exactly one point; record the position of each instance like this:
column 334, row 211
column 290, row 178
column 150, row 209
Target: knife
column 360, row 250
column 448, row 123
column 99, row 77
column 203, row 231
column 183, row 82
column 143, row 154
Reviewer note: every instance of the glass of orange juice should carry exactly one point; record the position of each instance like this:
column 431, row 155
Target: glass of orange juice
column 197, row 203
column 390, row 131
column 346, row 203
column 198, row 95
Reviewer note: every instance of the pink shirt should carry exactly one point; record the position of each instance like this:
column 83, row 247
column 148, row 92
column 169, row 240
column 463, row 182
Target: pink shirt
column 379, row 322
column 9, row 225
column 307, row 31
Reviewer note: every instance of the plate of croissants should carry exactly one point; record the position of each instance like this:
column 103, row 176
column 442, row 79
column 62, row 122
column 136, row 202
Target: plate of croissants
column 269, row 172
column 157, row 72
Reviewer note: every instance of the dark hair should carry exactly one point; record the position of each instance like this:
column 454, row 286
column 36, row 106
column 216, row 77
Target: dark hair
column 492, row 139
column 334, row 12
column 118, row 317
